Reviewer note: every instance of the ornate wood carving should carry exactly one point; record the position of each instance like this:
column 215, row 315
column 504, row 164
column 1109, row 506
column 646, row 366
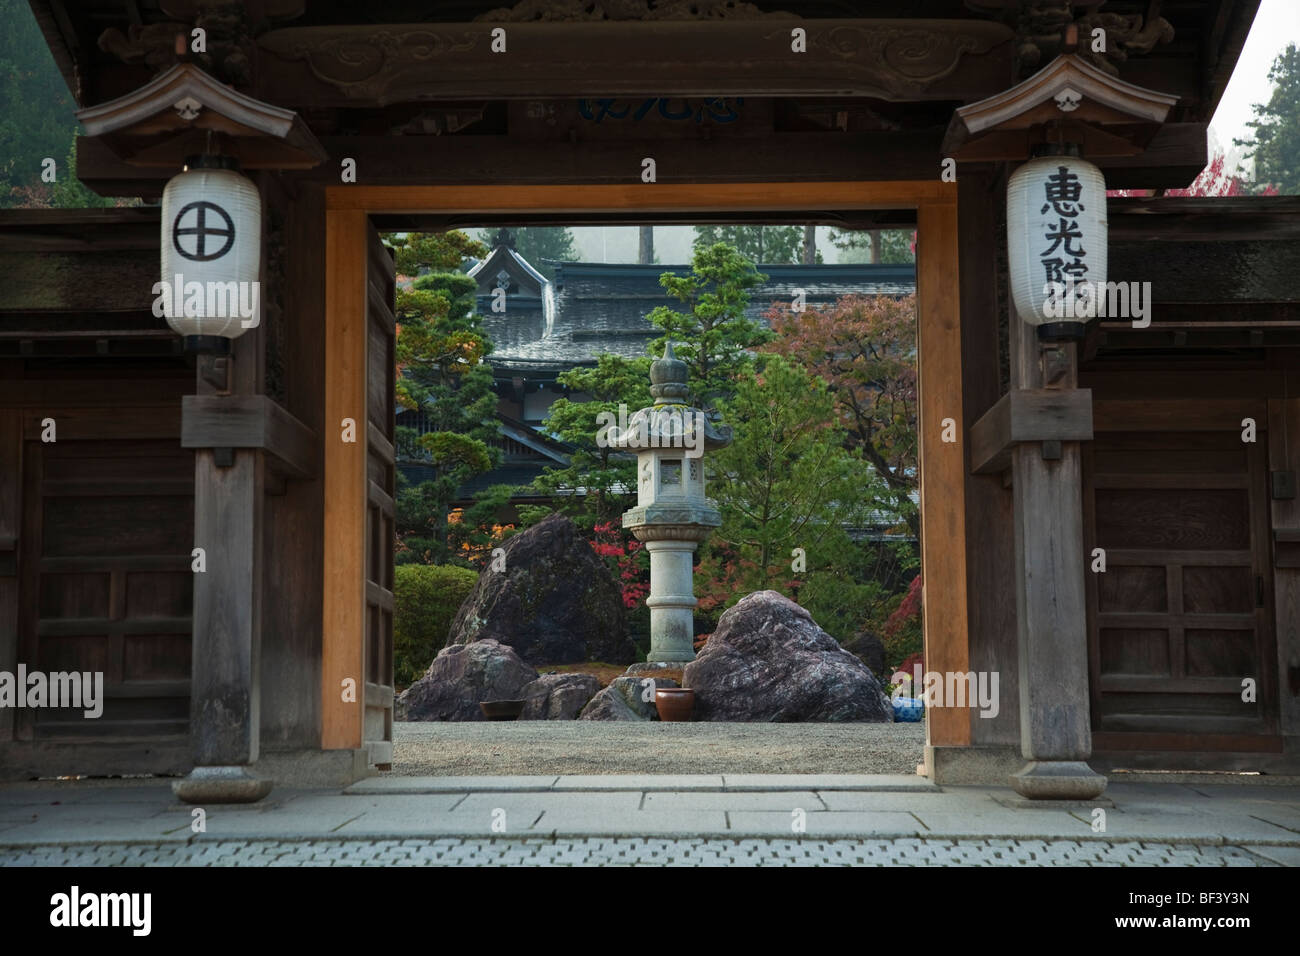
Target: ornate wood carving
column 371, row 62
column 905, row 58
column 1041, row 27
column 230, row 27
column 890, row 59
column 570, row 11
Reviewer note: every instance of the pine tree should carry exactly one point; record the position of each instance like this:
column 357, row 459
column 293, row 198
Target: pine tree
column 1275, row 147
column 761, row 245
column 441, row 372
column 713, row 335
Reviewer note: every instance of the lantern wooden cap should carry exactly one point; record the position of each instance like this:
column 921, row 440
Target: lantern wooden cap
column 1086, row 105
column 175, row 115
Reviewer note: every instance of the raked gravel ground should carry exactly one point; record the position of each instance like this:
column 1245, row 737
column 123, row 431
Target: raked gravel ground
column 586, row 746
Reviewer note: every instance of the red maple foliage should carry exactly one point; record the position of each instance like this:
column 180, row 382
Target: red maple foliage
column 623, row 554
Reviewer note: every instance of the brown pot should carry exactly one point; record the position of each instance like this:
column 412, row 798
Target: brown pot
column 675, row 703
column 502, row 709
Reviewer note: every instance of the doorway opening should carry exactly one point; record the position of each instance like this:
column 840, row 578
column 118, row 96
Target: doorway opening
column 526, row 396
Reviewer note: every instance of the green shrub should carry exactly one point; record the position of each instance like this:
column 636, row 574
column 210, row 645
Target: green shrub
column 426, row 598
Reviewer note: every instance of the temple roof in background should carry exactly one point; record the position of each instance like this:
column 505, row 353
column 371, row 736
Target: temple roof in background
column 602, row 307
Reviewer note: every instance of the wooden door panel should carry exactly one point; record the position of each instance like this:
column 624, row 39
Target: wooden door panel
column 1178, row 619
column 106, row 582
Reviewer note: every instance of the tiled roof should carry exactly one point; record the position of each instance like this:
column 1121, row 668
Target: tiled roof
column 602, row 307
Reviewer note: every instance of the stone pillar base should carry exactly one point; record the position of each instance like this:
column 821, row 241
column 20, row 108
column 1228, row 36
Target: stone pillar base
column 221, row 785
column 1058, row 780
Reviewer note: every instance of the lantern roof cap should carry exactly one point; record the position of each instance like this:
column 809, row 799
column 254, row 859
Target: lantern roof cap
column 668, row 378
column 1069, row 100
column 185, row 110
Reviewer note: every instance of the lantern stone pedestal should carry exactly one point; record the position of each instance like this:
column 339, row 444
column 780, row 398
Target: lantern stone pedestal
column 672, row 515
column 671, row 535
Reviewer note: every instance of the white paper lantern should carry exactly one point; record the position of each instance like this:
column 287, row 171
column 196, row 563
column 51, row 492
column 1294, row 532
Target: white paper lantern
column 212, row 240
column 1056, row 243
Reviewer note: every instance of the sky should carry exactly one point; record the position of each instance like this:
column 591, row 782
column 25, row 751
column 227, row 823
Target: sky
column 1276, row 25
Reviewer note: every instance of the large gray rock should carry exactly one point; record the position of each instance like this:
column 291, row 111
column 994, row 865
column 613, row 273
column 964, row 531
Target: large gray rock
column 555, row 603
column 624, row 699
column 769, row 661
column 462, row 677
column 558, row 696
column 869, row 649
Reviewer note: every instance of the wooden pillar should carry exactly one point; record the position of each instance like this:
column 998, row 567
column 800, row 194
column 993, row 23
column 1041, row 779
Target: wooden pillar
column 1055, row 732
column 225, row 667
column 990, row 542
column 227, row 608
column 943, row 463
column 343, row 624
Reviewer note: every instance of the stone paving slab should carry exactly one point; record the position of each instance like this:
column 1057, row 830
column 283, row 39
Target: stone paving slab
column 394, row 785
column 646, row 782
column 766, row 824
column 682, row 824
column 1281, row 855
column 828, row 781
column 783, row 800
column 693, row 807
column 652, row 851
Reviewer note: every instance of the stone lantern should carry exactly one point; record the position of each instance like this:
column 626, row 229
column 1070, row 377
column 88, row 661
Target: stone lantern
column 671, row 516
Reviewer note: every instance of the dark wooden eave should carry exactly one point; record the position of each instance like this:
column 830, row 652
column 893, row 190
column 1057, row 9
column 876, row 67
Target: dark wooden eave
column 182, row 109
column 1105, row 115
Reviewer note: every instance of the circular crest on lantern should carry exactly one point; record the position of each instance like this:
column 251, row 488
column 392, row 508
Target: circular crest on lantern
column 211, row 252
column 1057, row 243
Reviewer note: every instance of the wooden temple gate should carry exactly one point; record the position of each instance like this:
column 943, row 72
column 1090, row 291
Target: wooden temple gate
column 295, row 512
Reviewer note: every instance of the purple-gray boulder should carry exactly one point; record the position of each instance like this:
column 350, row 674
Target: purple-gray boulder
column 555, row 603
column 625, row 699
column 558, row 696
column 462, row 677
column 769, row 661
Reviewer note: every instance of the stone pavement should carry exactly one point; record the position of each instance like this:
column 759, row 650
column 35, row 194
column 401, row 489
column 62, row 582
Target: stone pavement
column 604, row 851
column 620, row 819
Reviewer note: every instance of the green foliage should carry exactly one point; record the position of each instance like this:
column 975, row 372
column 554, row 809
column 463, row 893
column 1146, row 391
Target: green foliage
column 1275, row 147
column 608, row 476
column 426, row 598
column 441, row 372
column 477, row 530
column 787, row 481
column 713, row 335
column 864, row 347
column 68, row 192
column 763, row 245
column 436, row 251
column 882, row 246
column 36, row 108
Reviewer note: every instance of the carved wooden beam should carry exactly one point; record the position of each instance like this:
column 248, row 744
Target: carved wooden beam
column 1028, row 415
column 362, row 65
column 1172, row 159
column 249, row 421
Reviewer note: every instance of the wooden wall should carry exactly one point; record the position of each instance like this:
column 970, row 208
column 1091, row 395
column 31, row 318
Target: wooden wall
column 291, row 630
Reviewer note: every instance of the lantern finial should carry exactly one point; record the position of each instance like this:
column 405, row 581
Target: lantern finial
column 668, row 378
